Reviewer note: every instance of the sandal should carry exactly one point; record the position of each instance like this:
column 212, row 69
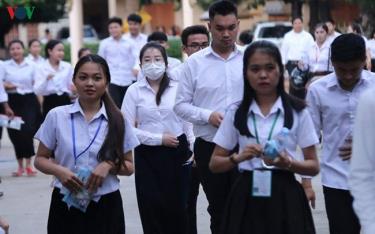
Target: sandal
column 18, row 173
column 30, row 172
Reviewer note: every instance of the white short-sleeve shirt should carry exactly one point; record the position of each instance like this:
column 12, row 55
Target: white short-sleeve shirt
column 56, row 134
column 21, row 75
column 301, row 134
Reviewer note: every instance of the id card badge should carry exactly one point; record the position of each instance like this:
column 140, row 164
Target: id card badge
column 262, row 181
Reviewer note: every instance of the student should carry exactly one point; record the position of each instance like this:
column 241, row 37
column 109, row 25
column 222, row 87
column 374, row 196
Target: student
column 332, row 102
column 139, row 39
column 361, row 177
column 120, row 53
column 54, row 78
column 19, row 77
column 332, row 33
column 357, row 29
column 264, row 110
column 164, row 149
column 91, row 133
column 83, row 52
column 212, row 81
column 35, row 49
column 194, row 38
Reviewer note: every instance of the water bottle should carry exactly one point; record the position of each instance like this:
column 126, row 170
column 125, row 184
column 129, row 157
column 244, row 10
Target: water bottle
column 275, row 146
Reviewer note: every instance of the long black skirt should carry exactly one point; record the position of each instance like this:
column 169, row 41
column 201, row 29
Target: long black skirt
column 103, row 217
column 28, row 107
column 286, row 212
column 161, row 185
column 54, row 100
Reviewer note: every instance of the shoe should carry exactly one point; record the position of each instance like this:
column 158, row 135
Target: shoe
column 18, row 173
column 30, row 172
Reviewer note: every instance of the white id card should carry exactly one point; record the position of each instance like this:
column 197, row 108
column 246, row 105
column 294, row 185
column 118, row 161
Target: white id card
column 262, row 181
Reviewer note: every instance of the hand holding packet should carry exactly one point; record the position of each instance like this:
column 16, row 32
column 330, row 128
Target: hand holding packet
column 14, row 123
column 274, row 147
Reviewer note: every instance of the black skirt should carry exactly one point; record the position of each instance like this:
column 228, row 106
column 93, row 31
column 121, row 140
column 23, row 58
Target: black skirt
column 103, row 217
column 54, row 100
column 28, row 107
column 161, row 185
column 286, row 212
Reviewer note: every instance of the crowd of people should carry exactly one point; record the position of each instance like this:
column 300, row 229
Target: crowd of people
column 207, row 121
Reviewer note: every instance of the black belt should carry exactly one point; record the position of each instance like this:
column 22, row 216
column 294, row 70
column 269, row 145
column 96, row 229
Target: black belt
column 320, row 73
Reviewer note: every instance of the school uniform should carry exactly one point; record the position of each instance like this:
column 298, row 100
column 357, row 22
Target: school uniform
column 209, row 83
column 57, row 90
column 333, row 110
column 285, row 209
column 37, row 60
column 64, row 128
column 160, row 171
column 121, row 56
column 24, row 103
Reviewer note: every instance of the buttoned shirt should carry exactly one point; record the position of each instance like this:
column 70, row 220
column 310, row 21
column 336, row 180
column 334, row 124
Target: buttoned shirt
column 3, row 94
column 56, row 134
column 139, row 41
column 61, row 81
column 318, row 58
column 121, row 56
column 294, row 44
column 37, row 60
column 331, row 38
column 333, row 110
column 151, row 120
column 209, row 83
column 301, row 134
column 22, row 75
column 362, row 165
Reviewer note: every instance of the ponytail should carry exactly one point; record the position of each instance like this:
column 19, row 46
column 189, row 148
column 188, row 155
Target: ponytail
column 162, row 87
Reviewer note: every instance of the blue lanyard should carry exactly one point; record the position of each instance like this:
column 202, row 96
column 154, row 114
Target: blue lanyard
column 272, row 127
column 74, row 139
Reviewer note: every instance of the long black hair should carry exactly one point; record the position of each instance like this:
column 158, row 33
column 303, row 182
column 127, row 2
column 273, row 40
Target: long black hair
column 165, row 80
column 50, row 45
column 112, row 149
column 249, row 94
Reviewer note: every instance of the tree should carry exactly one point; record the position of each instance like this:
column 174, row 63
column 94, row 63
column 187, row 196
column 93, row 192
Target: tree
column 367, row 8
column 44, row 11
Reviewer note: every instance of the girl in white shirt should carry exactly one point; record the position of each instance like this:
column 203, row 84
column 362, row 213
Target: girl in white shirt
column 160, row 159
column 34, row 52
column 54, row 78
column 90, row 134
column 266, row 198
column 19, row 78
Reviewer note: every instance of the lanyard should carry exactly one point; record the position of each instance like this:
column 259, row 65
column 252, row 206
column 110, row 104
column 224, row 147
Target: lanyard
column 273, row 126
column 74, row 139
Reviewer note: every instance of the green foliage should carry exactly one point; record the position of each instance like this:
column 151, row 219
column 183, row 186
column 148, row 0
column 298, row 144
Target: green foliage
column 92, row 46
column 175, row 46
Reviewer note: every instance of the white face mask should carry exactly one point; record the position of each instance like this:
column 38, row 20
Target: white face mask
column 153, row 71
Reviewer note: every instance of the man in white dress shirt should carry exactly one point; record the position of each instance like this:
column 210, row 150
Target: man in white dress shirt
column 120, row 54
column 212, row 80
column 332, row 102
column 294, row 43
column 362, row 167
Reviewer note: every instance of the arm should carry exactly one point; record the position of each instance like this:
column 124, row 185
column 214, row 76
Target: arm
column 313, row 106
column 362, row 166
column 41, row 81
column 284, row 49
column 188, row 130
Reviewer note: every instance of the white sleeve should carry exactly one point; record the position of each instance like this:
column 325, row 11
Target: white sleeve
column 47, row 131
column 130, row 139
column 227, row 134
column 306, row 134
column 188, row 130
column 284, row 48
column 41, row 81
column 313, row 105
column 129, row 109
column 3, row 94
column 362, row 165
column 184, row 99
column 101, row 50
column 69, row 79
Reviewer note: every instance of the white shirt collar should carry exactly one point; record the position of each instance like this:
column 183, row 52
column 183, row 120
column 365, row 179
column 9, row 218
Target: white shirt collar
column 278, row 105
column 76, row 108
column 210, row 51
column 334, row 82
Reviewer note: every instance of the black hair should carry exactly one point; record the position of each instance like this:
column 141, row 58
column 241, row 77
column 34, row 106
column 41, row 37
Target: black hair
column 297, row 17
column 356, row 28
column 135, row 18
column 191, row 30
column 14, row 42
column 32, row 41
column 330, row 20
column 157, row 36
column 321, row 25
column 246, row 37
column 223, row 8
column 165, row 80
column 113, row 146
column 82, row 50
column 50, row 45
column 348, row 47
column 115, row 19
column 290, row 103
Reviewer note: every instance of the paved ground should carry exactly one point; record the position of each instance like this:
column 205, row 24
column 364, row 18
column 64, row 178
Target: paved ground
column 26, row 201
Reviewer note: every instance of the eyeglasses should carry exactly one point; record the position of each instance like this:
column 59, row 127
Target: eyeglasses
column 198, row 46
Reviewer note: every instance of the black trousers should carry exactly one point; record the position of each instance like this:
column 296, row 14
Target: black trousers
column 192, row 201
column 103, row 217
column 216, row 186
column 339, row 208
column 117, row 93
column 54, row 100
column 161, row 186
